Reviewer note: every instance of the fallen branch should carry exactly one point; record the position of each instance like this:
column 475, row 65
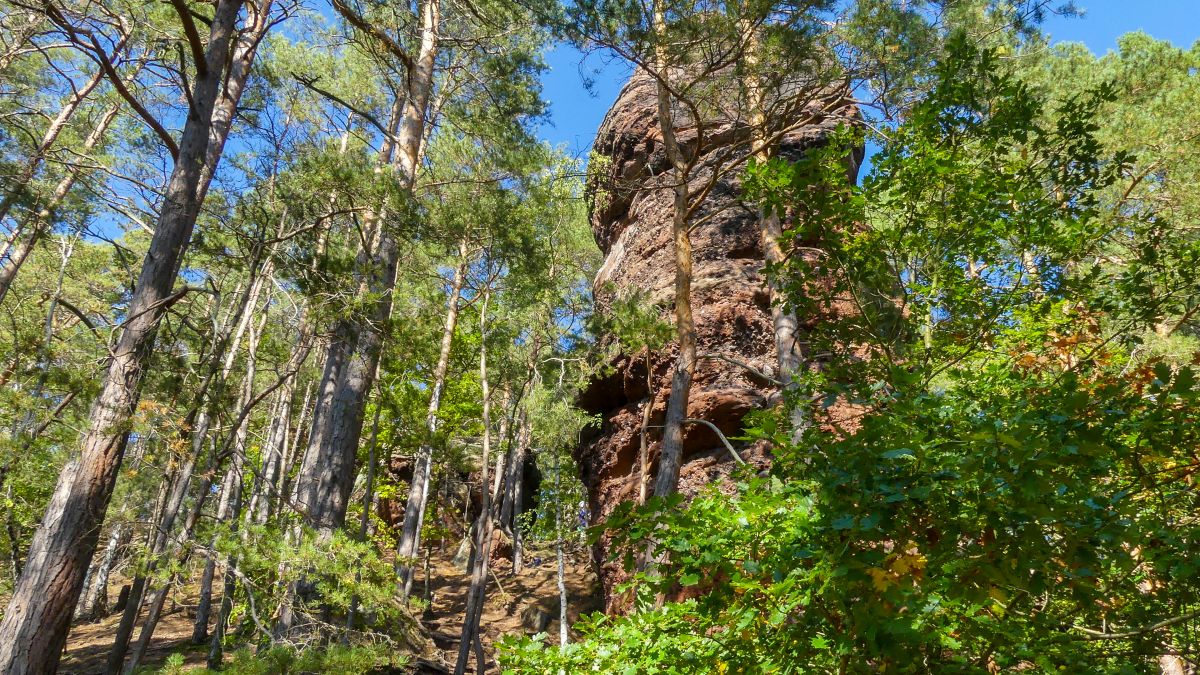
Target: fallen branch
column 1135, row 632
column 753, row 371
column 724, row 441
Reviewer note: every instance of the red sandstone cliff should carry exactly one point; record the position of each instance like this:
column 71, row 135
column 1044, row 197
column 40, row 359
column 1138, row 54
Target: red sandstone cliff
column 630, row 218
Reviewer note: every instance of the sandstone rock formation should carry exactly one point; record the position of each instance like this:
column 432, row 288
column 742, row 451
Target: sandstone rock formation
column 631, row 216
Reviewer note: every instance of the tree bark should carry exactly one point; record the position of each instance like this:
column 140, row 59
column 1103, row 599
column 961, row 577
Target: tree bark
column 644, row 434
column 259, row 508
column 35, row 624
column 364, row 522
column 327, row 470
column 226, row 345
column 502, row 457
column 42, row 219
column 515, row 494
column 233, row 446
column 283, row 489
column 483, row 527
column 418, row 491
column 558, row 546
column 229, row 506
column 671, row 457
column 785, row 323
column 95, row 601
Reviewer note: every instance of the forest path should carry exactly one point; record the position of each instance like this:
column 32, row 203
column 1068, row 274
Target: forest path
column 509, row 596
column 89, row 642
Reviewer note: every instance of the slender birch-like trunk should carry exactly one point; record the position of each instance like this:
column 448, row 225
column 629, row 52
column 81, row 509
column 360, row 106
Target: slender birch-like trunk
column 644, row 434
column 558, row 547
column 788, row 345
column 227, row 344
column 26, row 173
column 418, row 492
column 481, row 550
column 24, row 243
column 228, row 507
column 233, row 447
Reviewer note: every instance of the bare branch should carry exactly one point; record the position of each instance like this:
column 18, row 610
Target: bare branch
column 193, row 37
column 724, row 441
column 355, row 19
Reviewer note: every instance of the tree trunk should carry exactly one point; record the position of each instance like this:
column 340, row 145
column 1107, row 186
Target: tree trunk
column 516, row 494
column 95, row 601
column 354, row 352
column 327, row 470
column 483, row 527
column 368, row 497
column 671, row 457
column 231, row 487
column 204, row 602
column 418, row 491
column 558, row 545
column 258, row 511
column 786, row 325
column 133, row 606
column 231, row 503
column 283, row 489
column 227, row 344
column 42, row 219
column 644, row 434
column 35, row 624
column 502, row 457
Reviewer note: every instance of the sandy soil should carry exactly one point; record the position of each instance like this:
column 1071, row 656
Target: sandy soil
column 508, row 596
column 89, row 643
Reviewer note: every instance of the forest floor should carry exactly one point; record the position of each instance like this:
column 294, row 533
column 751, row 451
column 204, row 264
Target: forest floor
column 508, row 598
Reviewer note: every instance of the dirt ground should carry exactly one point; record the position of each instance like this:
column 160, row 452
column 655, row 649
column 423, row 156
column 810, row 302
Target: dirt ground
column 89, row 642
column 508, row 596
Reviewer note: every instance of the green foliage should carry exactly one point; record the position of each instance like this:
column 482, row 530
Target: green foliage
column 635, row 323
column 1002, row 480
column 337, row 570
column 353, row 660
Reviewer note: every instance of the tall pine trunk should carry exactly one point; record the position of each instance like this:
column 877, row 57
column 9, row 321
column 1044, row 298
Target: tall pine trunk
column 34, row 628
column 324, row 482
column 671, row 457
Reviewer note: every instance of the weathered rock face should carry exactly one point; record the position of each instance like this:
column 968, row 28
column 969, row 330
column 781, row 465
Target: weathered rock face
column 631, row 219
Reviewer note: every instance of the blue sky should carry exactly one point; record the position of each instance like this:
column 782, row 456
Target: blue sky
column 576, row 112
